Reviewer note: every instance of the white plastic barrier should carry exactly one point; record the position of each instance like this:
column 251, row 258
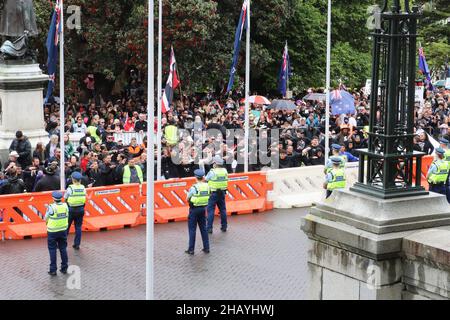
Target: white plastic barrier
column 127, row 136
column 300, row 187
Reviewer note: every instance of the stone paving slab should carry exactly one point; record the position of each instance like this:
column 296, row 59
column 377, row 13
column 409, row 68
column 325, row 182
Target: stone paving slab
column 262, row 256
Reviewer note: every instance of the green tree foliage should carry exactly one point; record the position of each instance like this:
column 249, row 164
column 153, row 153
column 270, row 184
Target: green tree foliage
column 113, row 39
column 434, row 31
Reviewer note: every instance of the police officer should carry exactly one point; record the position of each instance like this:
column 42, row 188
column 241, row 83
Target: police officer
column 198, row 197
column 335, row 178
column 438, row 173
column 444, row 145
column 76, row 199
column 217, row 179
column 56, row 219
column 335, row 150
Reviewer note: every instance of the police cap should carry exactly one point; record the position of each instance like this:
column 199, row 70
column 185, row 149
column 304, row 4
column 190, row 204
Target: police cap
column 336, row 160
column 199, row 173
column 77, row 176
column 57, row 195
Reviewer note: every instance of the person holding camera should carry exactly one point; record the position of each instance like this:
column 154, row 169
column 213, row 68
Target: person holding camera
column 50, row 181
column 31, row 174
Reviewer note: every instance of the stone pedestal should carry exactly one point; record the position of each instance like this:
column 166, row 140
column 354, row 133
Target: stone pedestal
column 356, row 243
column 21, row 103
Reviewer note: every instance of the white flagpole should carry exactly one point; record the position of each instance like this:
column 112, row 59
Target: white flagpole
column 159, row 136
column 287, row 71
column 247, row 89
column 61, row 97
column 150, row 153
column 327, row 89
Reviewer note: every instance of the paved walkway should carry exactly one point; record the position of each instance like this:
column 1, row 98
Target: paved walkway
column 262, row 256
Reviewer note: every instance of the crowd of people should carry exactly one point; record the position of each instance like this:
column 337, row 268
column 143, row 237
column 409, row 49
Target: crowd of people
column 195, row 130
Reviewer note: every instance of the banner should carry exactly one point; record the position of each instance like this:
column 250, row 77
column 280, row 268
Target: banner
column 419, row 94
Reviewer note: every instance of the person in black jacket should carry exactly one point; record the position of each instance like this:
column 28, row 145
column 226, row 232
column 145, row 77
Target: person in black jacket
column 31, row 173
column 14, row 185
column 49, row 182
column 106, row 171
column 23, row 147
column 94, row 174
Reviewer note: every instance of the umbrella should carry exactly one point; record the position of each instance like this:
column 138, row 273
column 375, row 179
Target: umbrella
column 439, row 83
column 258, row 100
column 315, row 96
column 342, row 102
column 283, row 105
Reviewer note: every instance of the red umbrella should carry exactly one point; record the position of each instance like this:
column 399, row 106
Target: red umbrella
column 258, row 100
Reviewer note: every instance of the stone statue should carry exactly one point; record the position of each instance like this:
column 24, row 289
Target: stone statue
column 17, row 23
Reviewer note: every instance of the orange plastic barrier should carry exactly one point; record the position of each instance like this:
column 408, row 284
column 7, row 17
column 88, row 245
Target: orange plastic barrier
column 113, row 207
column 23, row 215
column 247, row 193
column 123, row 206
column 106, row 208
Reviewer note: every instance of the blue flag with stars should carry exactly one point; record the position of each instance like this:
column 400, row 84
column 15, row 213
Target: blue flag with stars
column 342, row 102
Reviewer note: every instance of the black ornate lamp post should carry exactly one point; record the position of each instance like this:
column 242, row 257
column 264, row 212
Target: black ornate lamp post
column 390, row 156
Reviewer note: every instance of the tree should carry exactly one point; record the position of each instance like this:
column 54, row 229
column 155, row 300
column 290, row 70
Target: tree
column 113, row 39
column 434, row 33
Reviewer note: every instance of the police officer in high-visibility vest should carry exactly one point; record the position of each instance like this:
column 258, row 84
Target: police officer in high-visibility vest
column 336, row 149
column 198, row 197
column 56, row 218
column 76, row 199
column 444, row 145
column 335, row 178
column 438, row 173
column 217, row 179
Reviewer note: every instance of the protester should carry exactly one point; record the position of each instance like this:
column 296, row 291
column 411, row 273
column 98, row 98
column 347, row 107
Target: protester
column 22, row 146
column 105, row 141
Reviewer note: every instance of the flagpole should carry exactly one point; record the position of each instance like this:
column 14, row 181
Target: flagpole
column 61, row 98
column 287, row 69
column 150, row 153
column 159, row 135
column 328, row 85
column 247, row 89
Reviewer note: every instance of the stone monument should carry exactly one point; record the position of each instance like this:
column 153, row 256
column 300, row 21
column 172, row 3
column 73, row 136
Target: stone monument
column 359, row 237
column 21, row 80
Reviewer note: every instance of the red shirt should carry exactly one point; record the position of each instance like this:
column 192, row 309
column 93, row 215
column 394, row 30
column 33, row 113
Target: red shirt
column 83, row 164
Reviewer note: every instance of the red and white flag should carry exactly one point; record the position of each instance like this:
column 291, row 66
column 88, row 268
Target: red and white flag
column 172, row 83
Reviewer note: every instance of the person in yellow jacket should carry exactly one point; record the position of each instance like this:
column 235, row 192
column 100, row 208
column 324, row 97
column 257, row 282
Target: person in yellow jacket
column 76, row 199
column 198, row 197
column 93, row 129
column 132, row 173
column 336, row 152
column 335, row 178
column 171, row 134
column 444, row 145
column 217, row 179
column 438, row 173
column 56, row 218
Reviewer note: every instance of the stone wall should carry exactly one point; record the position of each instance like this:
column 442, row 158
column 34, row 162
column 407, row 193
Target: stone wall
column 362, row 248
column 426, row 264
column 422, row 270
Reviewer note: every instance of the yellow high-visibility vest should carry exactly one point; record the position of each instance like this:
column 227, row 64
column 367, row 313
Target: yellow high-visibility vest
column 78, row 196
column 59, row 220
column 201, row 197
